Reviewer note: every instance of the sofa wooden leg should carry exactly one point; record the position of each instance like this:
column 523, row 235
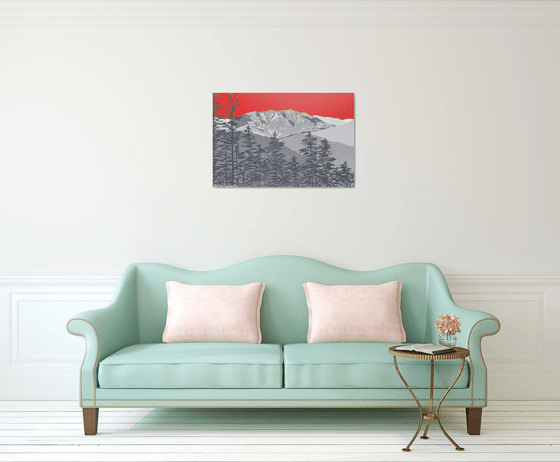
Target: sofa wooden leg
column 91, row 417
column 474, row 419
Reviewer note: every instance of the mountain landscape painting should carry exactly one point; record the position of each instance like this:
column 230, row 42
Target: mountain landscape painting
column 283, row 140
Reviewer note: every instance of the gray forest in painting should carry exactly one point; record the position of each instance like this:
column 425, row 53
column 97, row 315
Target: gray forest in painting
column 279, row 149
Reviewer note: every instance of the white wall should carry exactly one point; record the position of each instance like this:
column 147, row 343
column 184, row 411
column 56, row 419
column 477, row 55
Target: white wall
column 106, row 135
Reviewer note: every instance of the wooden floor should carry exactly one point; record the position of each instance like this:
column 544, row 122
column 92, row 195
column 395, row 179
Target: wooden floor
column 37, row 431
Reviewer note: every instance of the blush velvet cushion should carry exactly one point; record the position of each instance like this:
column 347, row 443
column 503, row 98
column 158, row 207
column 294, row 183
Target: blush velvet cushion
column 362, row 313
column 213, row 313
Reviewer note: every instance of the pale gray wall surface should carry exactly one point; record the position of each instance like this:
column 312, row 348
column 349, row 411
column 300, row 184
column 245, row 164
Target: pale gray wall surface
column 106, row 147
column 105, row 159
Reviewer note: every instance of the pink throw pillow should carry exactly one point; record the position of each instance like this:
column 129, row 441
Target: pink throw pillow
column 354, row 313
column 213, row 313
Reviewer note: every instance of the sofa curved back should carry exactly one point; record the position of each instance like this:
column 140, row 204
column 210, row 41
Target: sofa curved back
column 284, row 312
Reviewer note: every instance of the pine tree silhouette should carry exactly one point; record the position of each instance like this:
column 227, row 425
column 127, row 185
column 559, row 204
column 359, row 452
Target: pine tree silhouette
column 277, row 162
column 294, row 176
column 310, row 167
column 325, row 164
column 345, row 176
column 249, row 155
column 260, row 167
column 219, row 144
column 234, row 136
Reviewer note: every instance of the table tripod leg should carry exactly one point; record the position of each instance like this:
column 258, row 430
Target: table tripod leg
column 414, row 437
column 417, row 402
column 424, row 436
column 431, row 409
column 457, row 447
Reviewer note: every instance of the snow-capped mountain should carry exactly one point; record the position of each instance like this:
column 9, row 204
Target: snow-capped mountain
column 334, row 121
column 285, row 123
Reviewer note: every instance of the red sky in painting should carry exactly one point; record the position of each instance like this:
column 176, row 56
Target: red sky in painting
column 339, row 105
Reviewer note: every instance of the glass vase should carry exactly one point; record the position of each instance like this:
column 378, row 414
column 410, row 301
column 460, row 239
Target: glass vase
column 448, row 340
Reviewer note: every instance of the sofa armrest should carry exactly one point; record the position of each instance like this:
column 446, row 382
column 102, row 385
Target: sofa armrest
column 475, row 325
column 106, row 330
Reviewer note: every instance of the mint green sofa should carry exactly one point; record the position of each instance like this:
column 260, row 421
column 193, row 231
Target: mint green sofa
column 127, row 365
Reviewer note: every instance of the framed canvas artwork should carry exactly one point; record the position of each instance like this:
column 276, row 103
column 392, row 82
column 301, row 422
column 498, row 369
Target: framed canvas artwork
column 283, row 140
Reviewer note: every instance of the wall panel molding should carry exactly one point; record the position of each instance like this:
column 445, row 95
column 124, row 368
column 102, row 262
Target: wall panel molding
column 280, row 13
column 38, row 358
column 532, row 308
column 57, row 280
column 520, row 359
column 503, row 279
column 35, row 347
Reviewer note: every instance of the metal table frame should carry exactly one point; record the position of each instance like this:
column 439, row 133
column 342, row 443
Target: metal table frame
column 458, row 353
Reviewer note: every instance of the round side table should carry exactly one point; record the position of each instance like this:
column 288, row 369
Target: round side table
column 457, row 353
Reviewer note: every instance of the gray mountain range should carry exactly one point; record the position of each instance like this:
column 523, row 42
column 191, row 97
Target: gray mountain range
column 341, row 133
column 292, row 126
column 341, row 152
column 264, row 141
column 286, row 123
column 292, row 145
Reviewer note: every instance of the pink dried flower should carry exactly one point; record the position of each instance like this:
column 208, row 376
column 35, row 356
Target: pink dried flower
column 448, row 324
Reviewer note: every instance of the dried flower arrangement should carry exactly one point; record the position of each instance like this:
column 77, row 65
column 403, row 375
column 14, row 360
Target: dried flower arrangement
column 448, row 324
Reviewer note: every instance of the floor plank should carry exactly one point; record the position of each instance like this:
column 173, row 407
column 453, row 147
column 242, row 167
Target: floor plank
column 116, row 419
column 270, row 439
column 263, row 447
column 44, row 431
column 441, row 455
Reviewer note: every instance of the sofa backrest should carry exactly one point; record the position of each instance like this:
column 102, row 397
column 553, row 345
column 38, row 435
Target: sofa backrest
column 284, row 313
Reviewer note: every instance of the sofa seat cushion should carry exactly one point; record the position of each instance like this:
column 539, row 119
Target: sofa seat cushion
column 193, row 365
column 362, row 365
